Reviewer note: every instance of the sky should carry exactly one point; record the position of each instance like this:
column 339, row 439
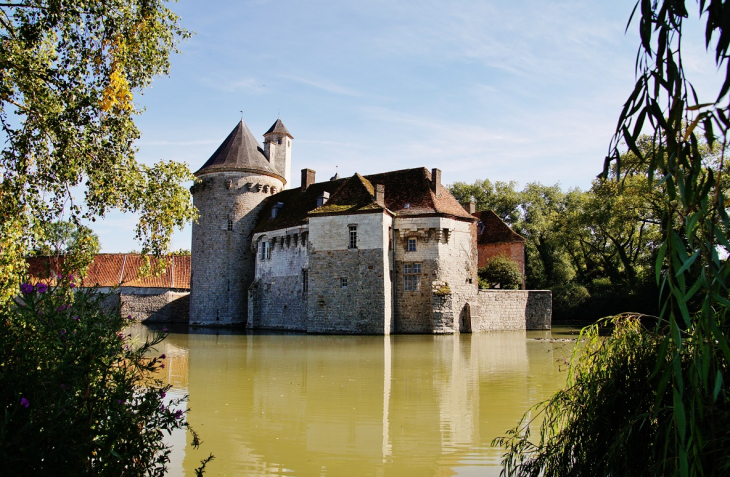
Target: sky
column 526, row 91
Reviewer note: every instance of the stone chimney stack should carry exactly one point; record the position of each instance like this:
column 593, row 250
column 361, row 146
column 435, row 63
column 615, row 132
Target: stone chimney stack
column 435, row 180
column 380, row 194
column 470, row 207
column 307, row 178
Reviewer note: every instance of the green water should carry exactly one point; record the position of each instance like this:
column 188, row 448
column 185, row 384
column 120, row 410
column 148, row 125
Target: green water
column 268, row 404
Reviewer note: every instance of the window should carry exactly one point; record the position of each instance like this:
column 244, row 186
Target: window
column 353, row 236
column 412, row 244
column 269, row 246
column 411, row 276
column 230, row 225
column 265, row 251
column 305, row 281
column 343, row 282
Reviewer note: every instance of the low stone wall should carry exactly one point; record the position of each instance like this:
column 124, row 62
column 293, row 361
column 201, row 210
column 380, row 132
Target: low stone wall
column 505, row 310
column 155, row 305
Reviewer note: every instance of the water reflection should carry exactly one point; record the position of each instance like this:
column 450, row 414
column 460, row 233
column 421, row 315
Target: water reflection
column 365, row 405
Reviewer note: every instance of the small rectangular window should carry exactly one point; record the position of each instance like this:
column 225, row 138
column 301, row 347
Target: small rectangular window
column 353, row 236
column 411, row 276
column 411, row 244
column 343, row 282
column 268, row 250
column 230, row 225
column 262, row 254
column 305, row 281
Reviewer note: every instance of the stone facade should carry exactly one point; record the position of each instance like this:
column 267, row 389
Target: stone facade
column 277, row 297
column 349, row 287
column 378, row 254
column 445, row 248
column 503, row 310
column 155, row 305
column 222, row 263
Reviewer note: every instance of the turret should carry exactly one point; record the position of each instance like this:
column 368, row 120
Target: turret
column 229, row 195
column 277, row 148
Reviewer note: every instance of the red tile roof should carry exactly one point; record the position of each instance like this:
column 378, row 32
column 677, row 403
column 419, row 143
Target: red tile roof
column 495, row 229
column 118, row 269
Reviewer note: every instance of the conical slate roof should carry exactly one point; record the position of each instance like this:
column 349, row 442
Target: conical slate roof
column 239, row 152
column 278, row 128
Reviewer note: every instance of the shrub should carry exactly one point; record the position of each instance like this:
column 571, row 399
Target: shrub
column 500, row 272
column 78, row 396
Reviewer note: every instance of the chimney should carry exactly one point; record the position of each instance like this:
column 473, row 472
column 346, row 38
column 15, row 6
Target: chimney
column 307, row 178
column 380, row 194
column 470, row 207
column 435, row 180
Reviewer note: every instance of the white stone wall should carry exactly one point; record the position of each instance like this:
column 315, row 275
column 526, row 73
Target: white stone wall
column 333, row 232
column 364, row 305
column 278, row 290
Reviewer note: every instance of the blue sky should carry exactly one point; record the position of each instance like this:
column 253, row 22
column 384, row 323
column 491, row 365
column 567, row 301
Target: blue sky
column 525, row 91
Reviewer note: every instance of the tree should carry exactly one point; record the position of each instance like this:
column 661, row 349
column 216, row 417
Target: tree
column 65, row 238
column 500, row 272
column 501, row 197
column 670, row 372
column 69, row 73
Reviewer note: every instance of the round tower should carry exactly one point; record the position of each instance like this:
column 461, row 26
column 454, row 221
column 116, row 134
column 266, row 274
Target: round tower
column 232, row 186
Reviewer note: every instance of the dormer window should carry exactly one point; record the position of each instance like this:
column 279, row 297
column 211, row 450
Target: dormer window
column 323, row 198
column 407, row 205
column 276, row 209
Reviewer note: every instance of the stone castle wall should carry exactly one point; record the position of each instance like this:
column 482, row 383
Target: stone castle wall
column 363, row 305
column 446, row 251
column 277, row 297
column 222, row 261
column 506, row 310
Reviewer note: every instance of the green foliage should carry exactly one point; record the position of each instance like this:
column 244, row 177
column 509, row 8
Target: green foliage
column 500, row 272
column 673, row 416
column 79, row 396
column 501, row 197
column 64, row 238
column 70, row 70
column 615, row 415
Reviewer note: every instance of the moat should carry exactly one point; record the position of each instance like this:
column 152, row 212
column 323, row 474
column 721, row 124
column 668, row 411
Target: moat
column 306, row 405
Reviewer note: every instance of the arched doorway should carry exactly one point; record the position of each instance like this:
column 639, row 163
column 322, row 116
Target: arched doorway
column 465, row 319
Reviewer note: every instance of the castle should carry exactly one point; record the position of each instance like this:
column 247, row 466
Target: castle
column 385, row 253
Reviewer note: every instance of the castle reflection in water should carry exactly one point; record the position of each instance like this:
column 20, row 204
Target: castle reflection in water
column 288, row 404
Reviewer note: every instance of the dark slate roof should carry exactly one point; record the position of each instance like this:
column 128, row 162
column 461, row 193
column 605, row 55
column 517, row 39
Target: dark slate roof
column 408, row 186
column 495, row 229
column 239, row 152
column 355, row 195
column 278, row 128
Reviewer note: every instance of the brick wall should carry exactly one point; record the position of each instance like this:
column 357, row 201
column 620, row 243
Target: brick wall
column 504, row 310
column 515, row 251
